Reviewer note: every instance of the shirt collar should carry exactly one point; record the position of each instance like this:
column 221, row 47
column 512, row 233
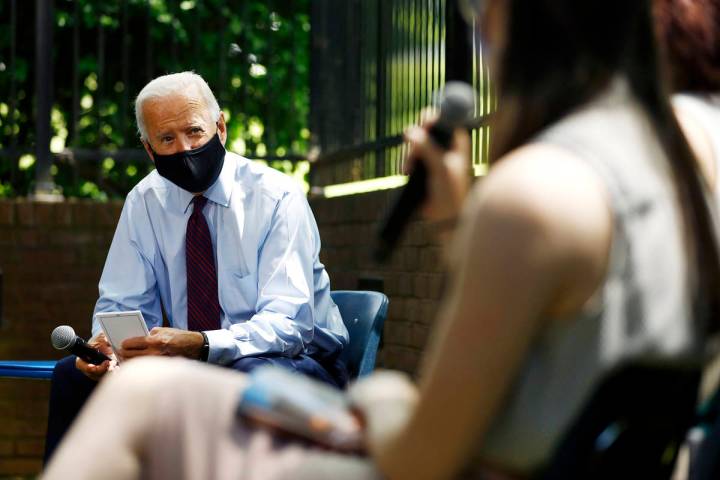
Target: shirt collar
column 219, row 192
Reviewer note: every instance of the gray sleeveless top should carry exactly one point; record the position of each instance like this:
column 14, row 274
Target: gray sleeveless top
column 642, row 309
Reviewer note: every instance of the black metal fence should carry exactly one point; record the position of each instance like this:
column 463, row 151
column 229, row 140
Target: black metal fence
column 69, row 72
column 375, row 65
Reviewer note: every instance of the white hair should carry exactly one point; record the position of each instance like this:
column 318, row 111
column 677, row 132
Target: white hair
column 172, row 84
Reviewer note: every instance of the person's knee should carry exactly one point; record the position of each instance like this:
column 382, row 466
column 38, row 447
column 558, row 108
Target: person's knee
column 142, row 379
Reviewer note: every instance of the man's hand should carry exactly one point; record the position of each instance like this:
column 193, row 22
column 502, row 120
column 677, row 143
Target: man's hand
column 95, row 372
column 170, row 342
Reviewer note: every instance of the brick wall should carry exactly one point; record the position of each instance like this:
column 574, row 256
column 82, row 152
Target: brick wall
column 413, row 280
column 51, row 255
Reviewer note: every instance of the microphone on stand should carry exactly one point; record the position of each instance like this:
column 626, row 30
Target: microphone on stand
column 457, row 104
column 64, row 338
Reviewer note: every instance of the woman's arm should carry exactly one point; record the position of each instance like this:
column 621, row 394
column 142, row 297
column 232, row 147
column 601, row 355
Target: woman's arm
column 700, row 143
column 534, row 242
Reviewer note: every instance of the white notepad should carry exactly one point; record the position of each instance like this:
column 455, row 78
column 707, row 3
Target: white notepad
column 119, row 326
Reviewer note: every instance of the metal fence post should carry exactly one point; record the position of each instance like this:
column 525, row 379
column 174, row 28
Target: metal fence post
column 44, row 185
column 458, row 47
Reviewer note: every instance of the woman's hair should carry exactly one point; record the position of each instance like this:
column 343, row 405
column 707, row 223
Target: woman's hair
column 689, row 32
column 559, row 54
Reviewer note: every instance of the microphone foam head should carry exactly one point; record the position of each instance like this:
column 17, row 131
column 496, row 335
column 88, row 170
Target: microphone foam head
column 62, row 337
column 457, row 104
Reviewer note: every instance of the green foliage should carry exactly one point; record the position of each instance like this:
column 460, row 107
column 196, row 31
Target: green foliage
column 254, row 54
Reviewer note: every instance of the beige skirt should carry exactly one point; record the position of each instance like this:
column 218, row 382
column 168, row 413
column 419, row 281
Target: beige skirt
column 160, row 418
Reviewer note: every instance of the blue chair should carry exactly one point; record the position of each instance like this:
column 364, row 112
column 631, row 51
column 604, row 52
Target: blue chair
column 364, row 314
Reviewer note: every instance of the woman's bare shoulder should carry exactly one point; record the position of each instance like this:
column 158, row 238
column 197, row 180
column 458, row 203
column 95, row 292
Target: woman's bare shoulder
column 560, row 203
column 547, row 183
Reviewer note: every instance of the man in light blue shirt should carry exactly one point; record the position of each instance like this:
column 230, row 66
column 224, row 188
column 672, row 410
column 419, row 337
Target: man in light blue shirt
column 227, row 248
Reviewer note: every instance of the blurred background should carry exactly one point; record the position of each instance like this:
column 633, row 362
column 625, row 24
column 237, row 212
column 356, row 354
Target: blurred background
column 295, row 78
column 81, row 63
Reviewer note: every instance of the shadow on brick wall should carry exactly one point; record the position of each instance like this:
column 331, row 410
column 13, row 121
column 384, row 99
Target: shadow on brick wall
column 413, row 279
column 51, row 255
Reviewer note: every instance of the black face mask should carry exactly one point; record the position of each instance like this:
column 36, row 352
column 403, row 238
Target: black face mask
column 193, row 170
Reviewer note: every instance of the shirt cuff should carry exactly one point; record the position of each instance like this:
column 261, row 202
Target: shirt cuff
column 223, row 345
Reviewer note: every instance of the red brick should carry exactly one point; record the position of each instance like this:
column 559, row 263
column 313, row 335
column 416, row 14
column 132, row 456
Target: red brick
column 411, row 259
column 23, row 388
column 20, row 466
column 420, row 288
column 397, row 260
column 391, row 285
column 32, row 238
column 36, row 407
column 341, row 258
column 405, row 285
column 116, row 207
column 412, row 307
column 25, row 211
column 318, row 207
column 331, row 236
column 106, row 214
column 419, row 335
column 7, row 212
column 7, row 237
column 398, row 333
column 437, row 286
column 7, row 408
column 401, row 358
column 337, row 211
column 416, row 234
column 103, row 240
column 396, row 309
column 344, row 280
column 30, row 447
column 75, row 237
column 83, row 213
column 48, row 257
column 44, row 213
column 430, row 260
column 25, row 427
column 63, row 214
column 427, row 312
column 6, row 447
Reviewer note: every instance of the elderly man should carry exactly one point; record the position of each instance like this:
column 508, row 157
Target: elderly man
column 226, row 248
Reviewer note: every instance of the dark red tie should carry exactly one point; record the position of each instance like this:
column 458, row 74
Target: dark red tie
column 203, row 307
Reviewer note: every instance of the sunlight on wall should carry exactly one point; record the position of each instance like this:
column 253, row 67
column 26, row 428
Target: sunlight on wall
column 364, row 186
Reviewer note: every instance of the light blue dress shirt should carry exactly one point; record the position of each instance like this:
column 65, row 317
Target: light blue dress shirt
column 273, row 290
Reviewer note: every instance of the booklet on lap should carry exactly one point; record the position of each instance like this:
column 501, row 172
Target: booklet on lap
column 301, row 406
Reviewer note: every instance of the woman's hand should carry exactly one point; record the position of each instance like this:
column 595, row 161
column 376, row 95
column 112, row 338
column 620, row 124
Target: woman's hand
column 449, row 177
column 385, row 401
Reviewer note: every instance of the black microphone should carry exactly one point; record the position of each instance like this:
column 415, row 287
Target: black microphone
column 64, row 338
column 457, row 103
